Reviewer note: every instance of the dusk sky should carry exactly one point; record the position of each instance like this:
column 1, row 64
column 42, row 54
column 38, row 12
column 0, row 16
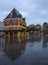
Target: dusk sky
column 35, row 11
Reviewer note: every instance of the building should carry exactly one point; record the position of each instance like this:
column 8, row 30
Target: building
column 39, row 27
column 45, row 27
column 15, row 22
column 1, row 28
column 1, row 25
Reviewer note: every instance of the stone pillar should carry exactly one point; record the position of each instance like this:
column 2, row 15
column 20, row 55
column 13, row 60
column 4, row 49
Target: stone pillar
column 25, row 33
column 18, row 34
column 8, row 34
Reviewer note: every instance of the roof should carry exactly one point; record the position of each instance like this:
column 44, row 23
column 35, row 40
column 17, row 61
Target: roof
column 14, row 14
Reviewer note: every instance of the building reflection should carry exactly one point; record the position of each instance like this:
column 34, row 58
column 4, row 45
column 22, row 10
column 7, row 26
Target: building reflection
column 35, row 37
column 13, row 47
column 45, row 40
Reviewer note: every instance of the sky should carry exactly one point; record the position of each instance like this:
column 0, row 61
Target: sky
column 35, row 11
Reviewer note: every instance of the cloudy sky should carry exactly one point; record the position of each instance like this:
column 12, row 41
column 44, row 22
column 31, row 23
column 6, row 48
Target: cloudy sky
column 35, row 11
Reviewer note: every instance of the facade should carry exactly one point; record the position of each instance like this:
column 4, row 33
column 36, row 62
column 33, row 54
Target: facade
column 15, row 22
column 39, row 27
column 1, row 25
column 1, row 28
column 45, row 27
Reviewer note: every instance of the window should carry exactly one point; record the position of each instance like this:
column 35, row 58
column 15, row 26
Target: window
column 16, row 22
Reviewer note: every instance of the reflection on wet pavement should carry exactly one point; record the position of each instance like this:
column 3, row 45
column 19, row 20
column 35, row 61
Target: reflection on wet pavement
column 32, row 50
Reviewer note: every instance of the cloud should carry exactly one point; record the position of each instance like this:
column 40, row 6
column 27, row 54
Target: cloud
column 24, row 14
column 35, row 11
column 3, row 15
column 44, row 12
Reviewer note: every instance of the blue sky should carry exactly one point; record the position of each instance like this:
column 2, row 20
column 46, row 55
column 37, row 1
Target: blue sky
column 35, row 11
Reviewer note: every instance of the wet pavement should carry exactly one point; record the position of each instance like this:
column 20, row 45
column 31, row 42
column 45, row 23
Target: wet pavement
column 32, row 50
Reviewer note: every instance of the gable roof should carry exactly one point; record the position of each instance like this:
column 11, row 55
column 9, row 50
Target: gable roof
column 14, row 14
